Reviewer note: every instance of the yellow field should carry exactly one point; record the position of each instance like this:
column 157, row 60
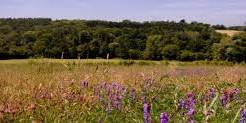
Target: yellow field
column 229, row 32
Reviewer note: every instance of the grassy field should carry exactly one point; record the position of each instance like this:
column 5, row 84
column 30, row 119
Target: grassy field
column 115, row 91
column 229, row 32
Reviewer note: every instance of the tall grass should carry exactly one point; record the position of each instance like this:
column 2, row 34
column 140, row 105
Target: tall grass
column 48, row 90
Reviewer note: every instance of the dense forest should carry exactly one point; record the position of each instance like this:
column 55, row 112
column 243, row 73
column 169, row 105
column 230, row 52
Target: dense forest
column 159, row 40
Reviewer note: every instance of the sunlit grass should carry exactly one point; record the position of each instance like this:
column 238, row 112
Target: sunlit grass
column 52, row 90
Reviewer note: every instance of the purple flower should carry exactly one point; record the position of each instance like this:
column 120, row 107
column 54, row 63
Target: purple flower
column 228, row 96
column 190, row 114
column 110, row 95
column 147, row 117
column 189, row 105
column 190, row 101
column 211, row 93
column 164, row 117
column 243, row 116
column 181, row 104
column 116, row 101
column 235, row 91
column 224, row 99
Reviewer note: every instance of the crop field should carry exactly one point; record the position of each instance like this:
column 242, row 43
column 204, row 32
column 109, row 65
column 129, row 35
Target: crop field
column 229, row 32
column 117, row 91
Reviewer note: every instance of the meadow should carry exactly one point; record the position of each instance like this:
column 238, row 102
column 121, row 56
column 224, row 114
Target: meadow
column 229, row 32
column 122, row 91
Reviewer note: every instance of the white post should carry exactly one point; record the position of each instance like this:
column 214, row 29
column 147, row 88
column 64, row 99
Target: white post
column 107, row 57
column 62, row 56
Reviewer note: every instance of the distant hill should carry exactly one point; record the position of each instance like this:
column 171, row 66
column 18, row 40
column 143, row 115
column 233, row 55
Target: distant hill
column 229, row 32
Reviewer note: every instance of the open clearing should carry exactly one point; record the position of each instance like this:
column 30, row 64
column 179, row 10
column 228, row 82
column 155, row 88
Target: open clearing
column 229, row 32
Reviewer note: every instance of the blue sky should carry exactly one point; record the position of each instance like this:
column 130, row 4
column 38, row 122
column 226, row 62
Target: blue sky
column 227, row 12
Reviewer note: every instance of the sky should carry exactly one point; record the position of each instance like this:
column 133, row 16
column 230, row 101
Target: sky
column 227, row 12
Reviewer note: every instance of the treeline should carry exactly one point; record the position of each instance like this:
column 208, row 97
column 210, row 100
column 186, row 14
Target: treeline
column 223, row 27
column 43, row 37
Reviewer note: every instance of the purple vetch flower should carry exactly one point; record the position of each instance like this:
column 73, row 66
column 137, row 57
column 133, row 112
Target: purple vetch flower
column 211, row 93
column 180, row 104
column 224, row 99
column 235, row 91
column 189, row 105
column 243, row 116
column 228, row 96
column 116, row 102
column 191, row 97
column 190, row 114
column 111, row 94
column 190, row 101
column 147, row 117
column 164, row 117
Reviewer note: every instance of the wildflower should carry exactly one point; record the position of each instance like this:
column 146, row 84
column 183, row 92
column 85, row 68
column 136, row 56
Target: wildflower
column 190, row 101
column 228, row 96
column 211, row 93
column 116, row 102
column 224, row 99
column 243, row 116
column 190, row 114
column 147, row 117
column 164, row 117
column 235, row 91
column 110, row 95
column 180, row 104
column 233, row 94
column 189, row 105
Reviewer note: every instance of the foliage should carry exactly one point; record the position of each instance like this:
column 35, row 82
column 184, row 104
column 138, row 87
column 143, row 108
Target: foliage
column 43, row 37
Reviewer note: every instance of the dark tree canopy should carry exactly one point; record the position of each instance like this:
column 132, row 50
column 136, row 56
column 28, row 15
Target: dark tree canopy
column 158, row 40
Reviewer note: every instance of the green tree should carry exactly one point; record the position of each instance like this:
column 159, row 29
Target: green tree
column 153, row 47
column 170, row 52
